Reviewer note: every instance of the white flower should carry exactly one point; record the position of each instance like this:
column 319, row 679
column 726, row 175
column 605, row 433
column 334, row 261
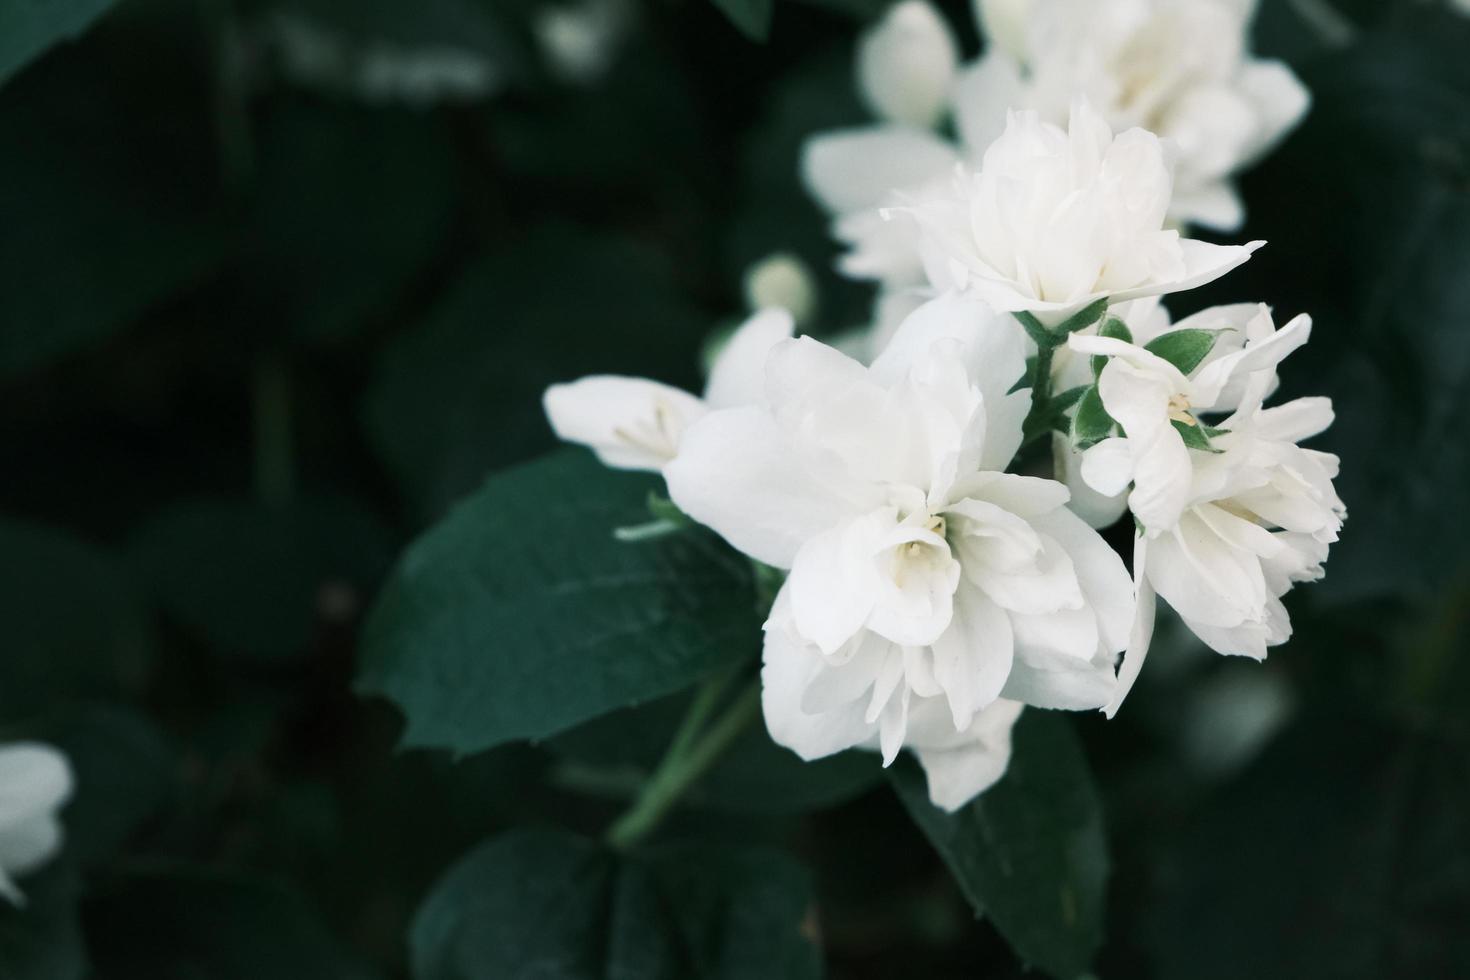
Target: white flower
column 581, row 40
column 905, row 66
column 637, row 424
column 906, row 63
column 1178, row 68
column 782, row 281
column 1057, row 219
column 925, row 583
column 1151, row 399
column 1227, row 533
column 35, row 781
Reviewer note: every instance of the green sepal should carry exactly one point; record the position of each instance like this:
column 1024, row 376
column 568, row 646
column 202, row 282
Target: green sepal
column 664, row 509
column 1184, row 349
column 1045, row 336
column 1092, row 423
column 1194, row 436
column 1027, row 380
column 1115, row 329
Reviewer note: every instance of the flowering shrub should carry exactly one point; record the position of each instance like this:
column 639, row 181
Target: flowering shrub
column 734, row 489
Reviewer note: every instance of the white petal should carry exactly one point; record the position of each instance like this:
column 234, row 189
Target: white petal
column 1100, row 572
column 972, row 659
column 958, row 775
column 832, row 584
column 1142, row 633
column 1063, row 683
column 738, row 376
column 905, row 64
column 1107, row 468
column 982, row 93
column 1279, row 98
column 788, row 670
column 630, row 423
column 35, row 781
column 1214, row 205
column 858, row 169
column 738, row 474
column 1204, row 577
column 1203, row 263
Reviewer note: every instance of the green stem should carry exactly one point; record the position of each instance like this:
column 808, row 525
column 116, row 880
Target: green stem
column 275, row 477
column 689, row 756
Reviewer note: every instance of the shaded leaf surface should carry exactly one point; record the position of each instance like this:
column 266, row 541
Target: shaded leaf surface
column 552, row 905
column 1030, row 853
column 521, row 615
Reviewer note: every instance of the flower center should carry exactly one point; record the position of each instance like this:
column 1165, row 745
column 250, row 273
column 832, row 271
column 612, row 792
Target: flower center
column 657, row 435
column 1179, row 410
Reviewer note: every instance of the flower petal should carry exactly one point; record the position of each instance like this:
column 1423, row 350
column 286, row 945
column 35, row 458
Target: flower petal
column 738, row 376
column 857, row 169
column 630, row 423
column 905, row 63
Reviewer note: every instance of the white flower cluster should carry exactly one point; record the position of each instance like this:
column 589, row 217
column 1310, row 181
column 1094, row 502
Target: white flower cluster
column 1179, row 69
column 931, row 591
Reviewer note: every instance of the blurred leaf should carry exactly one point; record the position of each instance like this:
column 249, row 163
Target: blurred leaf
column 1392, row 305
column 461, row 394
column 148, row 925
column 521, row 615
column 107, row 188
column 549, row 904
column 1029, row 853
column 73, row 626
column 1340, row 853
column 124, row 769
column 30, row 27
column 42, row 940
column 350, row 205
column 254, row 579
column 753, row 17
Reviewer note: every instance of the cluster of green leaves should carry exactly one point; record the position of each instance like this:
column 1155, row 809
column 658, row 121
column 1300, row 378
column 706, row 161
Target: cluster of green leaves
column 259, row 335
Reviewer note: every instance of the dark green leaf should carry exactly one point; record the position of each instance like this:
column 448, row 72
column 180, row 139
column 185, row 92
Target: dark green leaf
column 508, row 328
column 1030, row 853
column 42, row 940
column 753, row 17
column 1092, row 423
column 1340, row 854
column 29, row 27
column 521, row 615
column 254, row 579
column 194, row 923
column 74, row 627
column 1194, row 436
column 550, row 904
column 1036, row 330
column 108, row 194
column 1082, row 319
column 1184, row 349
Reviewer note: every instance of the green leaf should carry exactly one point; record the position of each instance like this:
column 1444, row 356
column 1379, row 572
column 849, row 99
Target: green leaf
column 1194, row 436
column 1184, row 349
column 1035, row 329
column 1030, row 853
column 1340, row 854
column 1091, row 424
column 753, row 17
column 29, row 27
column 521, row 615
column 42, row 940
column 1114, row 328
column 195, row 923
column 1026, row 380
column 108, row 191
column 255, row 580
column 506, row 329
column 549, row 904
column 74, row 627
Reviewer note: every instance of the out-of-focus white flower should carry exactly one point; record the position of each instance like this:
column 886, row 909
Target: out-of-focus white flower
column 1178, row 68
column 35, row 782
column 581, row 40
column 925, row 583
column 1228, row 530
column 782, row 281
column 906, row 63
column 379, row 69
column 1156, row 403
column 1056, row 219
column 638, row 424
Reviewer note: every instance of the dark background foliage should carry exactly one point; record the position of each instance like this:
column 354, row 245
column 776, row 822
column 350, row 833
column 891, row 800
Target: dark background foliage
column 257, row 333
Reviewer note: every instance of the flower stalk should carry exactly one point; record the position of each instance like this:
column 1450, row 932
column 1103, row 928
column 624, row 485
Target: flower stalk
column 694, row 748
